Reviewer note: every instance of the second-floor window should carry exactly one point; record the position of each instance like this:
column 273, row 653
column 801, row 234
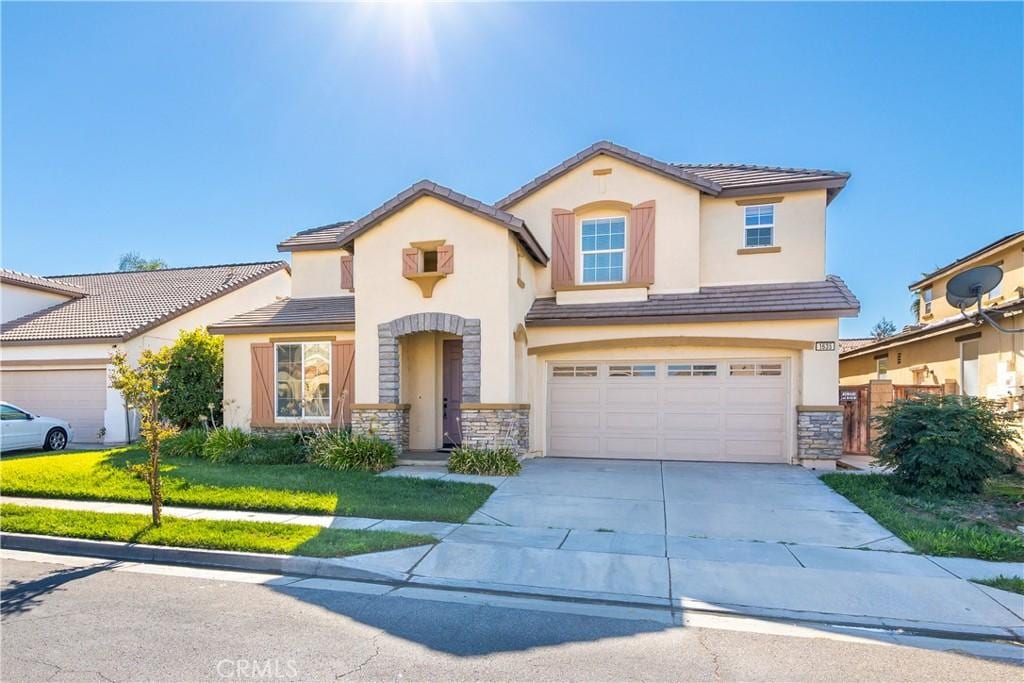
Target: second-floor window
column 759, row 226
column 603, row 248
column 926, row 301
column 997, row 291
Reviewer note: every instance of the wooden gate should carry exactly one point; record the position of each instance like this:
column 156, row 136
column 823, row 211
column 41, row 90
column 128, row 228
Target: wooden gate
column 855, row 401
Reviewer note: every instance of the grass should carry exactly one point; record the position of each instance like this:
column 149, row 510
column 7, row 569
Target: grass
column 260, row 537
column 307, row 489
column 982, row 526
column 1014, row 584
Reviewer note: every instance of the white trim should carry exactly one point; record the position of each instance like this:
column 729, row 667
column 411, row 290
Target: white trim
column 746, row 244
column 963, row 387
column 624, row 250
column 302, row 407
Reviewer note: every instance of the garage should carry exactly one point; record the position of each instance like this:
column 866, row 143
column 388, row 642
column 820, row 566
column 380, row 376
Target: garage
column 78, row 396
column 726, row 410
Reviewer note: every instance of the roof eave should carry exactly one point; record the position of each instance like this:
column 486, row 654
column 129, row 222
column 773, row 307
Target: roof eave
column 833, row 186
column 70, row 293
column 979, row 254
column 696, row 318
column 321, row 246
column 280, row 327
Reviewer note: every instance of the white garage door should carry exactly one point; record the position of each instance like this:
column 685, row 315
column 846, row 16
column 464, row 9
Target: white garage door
column 728, row 410
column 78, row 396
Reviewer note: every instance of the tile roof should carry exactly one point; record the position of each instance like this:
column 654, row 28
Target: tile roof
column 829, row 297
column 121, row 305
column 13, row 277
column 717, row 180
column 322, row 237
column 332, row 312
column 430, row 188
column 953, row 322
column 746, row 179
column 974, row 254
column 854, row 343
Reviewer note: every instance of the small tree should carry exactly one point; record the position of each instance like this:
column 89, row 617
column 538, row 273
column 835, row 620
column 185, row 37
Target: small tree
column 143, row 389
column 134, row 261
column 883, row 328
column 945, row 444
column 195, row 380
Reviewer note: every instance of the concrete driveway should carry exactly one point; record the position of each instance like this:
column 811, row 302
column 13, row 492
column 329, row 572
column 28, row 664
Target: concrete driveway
column 681, row 502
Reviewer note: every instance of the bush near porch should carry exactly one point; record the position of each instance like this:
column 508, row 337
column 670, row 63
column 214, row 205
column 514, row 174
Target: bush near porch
column 983, row 525
column 303, row 489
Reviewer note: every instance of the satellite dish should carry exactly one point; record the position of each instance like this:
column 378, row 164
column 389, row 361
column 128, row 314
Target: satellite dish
column 974, row 283
column 960, row 301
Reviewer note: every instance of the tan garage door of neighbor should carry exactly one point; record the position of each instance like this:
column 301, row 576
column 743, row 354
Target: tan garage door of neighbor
column 78, row 396
column 727, row 410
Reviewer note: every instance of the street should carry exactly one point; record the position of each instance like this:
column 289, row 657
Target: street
column 76, row 620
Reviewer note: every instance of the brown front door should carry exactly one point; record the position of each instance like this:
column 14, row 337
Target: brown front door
column 451, row 392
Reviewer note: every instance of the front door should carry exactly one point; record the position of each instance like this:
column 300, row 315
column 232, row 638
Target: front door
column 451, row 392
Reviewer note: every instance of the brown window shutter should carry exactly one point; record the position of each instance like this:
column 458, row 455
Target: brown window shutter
column 641, row 243
column 262, row 385
column 346, row 272
column 563, row 248
column 446, row 259
column 410, row 261
column 343, row 381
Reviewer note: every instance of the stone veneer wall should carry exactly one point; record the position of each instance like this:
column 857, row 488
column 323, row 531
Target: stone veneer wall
column 495, row 425
column 819, row 433
column 389, row 422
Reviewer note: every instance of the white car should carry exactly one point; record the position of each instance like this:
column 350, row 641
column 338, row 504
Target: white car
column 21, row 429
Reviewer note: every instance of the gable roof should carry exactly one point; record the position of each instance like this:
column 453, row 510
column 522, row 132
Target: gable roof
column 425, row 188
column 121, row 305
column 313, row 314
column 854, row 343
column 1002, row 241
column 13, row 277
column 717, row 180
column 777, row 301
column 322, row 237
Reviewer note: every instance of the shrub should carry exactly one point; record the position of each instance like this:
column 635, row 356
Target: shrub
column 195, row 380
column 186, row 444
column 224, row 445
column 337, row 450
column 494, row 461
column 944, row 445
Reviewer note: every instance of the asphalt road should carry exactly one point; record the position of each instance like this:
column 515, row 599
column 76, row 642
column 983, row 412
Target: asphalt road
column 64, row 623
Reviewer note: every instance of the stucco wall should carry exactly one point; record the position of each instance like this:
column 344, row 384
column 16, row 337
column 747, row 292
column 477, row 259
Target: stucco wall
column 799, row 232
column 317, row 273
column 480, row 287
column 238, row 369
column 17, row 301
column 677, row 231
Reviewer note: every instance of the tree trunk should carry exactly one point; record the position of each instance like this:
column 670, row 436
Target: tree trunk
column 155, row 489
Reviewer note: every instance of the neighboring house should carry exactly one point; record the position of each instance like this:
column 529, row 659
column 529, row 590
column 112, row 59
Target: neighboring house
column 943, row 348
column 614, row 307
column 59, row 332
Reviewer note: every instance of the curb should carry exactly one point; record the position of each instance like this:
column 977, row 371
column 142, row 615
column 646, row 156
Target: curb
column 329, row 568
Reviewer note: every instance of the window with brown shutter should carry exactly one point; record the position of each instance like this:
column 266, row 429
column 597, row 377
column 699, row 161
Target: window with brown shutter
column 262, row 385
column 347, row 281
column 343, row 356
column 427, row 263
column 446, row 259
column 563, row 247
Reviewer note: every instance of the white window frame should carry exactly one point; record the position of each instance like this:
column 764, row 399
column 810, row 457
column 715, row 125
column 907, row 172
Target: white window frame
column 926, row 301
column 997, row 291
column 879, row 372
column 625, row 250
column 747, row 228
column 302, row 404
column 977, row 359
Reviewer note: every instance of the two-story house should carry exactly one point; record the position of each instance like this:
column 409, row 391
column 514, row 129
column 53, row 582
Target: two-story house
column 944, row 348
column 616, row 306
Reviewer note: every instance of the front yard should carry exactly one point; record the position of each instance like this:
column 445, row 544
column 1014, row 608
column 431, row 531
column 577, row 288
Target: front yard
column 257, row 537
column 982, row 526
column 304, row 489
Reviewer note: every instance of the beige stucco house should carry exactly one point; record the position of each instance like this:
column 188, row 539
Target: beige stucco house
column 942, row 347
column 59, row 332
column 616, row 306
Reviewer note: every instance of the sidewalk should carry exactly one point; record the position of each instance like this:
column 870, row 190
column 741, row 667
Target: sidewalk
column 871, row 587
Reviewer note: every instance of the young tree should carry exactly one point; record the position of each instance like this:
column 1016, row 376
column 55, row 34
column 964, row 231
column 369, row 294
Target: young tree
column 195, row 380
column 134, row 261
column 143, row 389
column 883, row 328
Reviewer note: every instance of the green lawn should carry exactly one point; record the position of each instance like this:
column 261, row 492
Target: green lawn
column 260, row 537
column 102, row 475
column 1014, row 584
column 982, row 526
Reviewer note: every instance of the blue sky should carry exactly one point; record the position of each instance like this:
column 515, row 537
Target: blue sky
column 205, row 133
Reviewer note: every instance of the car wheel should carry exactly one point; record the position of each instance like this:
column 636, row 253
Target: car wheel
column 56, row 439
